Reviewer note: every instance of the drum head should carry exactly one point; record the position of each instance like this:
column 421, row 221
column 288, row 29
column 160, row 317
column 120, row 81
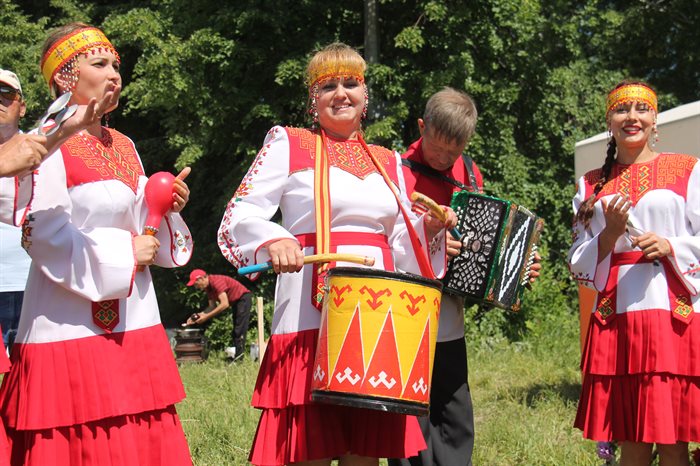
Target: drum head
column 399, row 276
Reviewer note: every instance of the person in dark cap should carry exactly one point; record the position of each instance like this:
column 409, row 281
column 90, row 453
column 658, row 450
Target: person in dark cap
column 223, row 292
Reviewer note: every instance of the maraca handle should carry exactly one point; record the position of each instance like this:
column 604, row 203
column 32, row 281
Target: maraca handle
column 148, row 232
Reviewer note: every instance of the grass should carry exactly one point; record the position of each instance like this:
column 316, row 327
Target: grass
column 524, row 395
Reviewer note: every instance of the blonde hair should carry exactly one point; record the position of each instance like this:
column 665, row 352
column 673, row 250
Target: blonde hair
column 335, row 60
column 451, row 114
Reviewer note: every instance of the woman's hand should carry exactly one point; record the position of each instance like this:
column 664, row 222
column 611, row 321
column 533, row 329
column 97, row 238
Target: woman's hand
column 616, row 214
column 181, row 192
column 434, row 225
column 286, row 255
column 652, row 245
column 87, row 115
column 145, row 249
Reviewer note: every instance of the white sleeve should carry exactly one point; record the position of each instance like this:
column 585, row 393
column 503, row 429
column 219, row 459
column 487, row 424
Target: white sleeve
column 583, row 255
column 685, row 257
column 400, row 241
column 95, row 263
column 246, row 226
column 15, row 197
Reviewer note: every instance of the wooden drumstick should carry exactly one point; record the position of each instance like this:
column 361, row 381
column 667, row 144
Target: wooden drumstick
column 421, row 200
column 332, row 257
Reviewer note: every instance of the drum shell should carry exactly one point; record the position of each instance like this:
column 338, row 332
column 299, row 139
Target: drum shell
column 190, row 345
column 377, row 340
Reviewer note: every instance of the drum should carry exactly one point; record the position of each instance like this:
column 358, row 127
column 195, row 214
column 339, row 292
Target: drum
column 377, row 340
column 499, row 240
column 190, row 345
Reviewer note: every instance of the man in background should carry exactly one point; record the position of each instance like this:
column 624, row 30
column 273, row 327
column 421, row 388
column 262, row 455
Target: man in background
column 223, row 292
column 14, row 261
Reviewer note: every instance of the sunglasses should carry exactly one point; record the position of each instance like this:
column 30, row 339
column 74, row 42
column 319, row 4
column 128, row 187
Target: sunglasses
column 10, row 93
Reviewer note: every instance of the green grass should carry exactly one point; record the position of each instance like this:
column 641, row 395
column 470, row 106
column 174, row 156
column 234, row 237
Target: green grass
column 524, row 395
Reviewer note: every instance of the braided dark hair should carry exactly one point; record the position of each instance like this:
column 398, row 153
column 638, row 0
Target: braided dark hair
column 585, row 212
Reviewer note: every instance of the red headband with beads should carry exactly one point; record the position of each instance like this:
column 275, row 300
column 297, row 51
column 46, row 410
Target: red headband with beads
column 69, row 46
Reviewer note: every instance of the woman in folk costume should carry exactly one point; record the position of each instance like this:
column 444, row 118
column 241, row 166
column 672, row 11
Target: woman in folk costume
column 334, row 198
column 93, row 380
column 636, row 241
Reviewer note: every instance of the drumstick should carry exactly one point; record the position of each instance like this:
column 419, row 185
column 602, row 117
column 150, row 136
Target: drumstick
column 332, row 257
column 422, row 201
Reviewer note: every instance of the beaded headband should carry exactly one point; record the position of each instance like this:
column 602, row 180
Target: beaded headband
column 333, row 69
column 66, row 48
column 631, row 93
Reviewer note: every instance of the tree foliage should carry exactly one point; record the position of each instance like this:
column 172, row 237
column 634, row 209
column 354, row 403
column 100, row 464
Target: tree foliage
column 205, row 80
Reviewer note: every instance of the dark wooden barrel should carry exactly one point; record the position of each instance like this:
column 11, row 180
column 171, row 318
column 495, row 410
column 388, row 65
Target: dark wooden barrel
column 190, row 345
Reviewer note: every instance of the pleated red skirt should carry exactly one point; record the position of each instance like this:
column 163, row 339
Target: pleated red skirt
column 641, row 379
column 153, row 438
column 292, row 428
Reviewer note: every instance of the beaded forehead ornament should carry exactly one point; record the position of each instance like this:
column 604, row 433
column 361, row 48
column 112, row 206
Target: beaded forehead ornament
column 631, row 93
column 69, row 46
column 335, row 69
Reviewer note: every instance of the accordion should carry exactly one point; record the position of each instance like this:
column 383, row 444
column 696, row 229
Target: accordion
column 499, row 242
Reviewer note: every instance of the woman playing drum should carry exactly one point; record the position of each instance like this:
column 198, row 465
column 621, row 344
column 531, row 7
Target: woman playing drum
column 93, row 380
column 325, row 183
column 637, row 242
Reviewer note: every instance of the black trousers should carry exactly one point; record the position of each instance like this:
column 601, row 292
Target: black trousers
column 449, row 428
column 241, row 316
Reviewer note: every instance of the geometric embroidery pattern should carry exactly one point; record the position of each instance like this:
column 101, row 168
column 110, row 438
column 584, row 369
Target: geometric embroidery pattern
column 605, row 308
column 347, row 155
column 88, row 159
column 105, row 314
column 667, row 171
column 683, row 308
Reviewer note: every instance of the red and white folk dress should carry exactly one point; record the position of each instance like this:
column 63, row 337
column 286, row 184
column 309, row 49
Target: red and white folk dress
column 641, row 360
column 93, row 380
column 365, row 220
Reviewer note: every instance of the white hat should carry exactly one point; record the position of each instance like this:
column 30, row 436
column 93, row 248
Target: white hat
column 11, row 79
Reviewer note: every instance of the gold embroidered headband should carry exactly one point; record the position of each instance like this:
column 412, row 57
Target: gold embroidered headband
column 334, row 69
column 631, row 93
column 66, row 48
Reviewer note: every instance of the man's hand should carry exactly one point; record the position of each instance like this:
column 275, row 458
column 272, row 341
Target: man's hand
column 22, row 154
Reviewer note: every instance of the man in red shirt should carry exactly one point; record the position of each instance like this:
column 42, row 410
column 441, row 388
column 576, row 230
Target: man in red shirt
column 223, row 292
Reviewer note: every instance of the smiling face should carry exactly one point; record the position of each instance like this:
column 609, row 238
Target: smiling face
column 340, row 104
column 631, row 124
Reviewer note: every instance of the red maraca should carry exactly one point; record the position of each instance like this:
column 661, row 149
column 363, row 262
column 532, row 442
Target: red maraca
column 158, row 196
column 159, row 199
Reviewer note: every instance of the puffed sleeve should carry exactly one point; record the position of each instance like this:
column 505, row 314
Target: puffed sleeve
column 686, row 249
column 400, row 241
column 246, row 226
column 15, row 197
column 95, row 263
column 583, row 255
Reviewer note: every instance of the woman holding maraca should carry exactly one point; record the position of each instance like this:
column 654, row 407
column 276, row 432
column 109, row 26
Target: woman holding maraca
column 93, row 380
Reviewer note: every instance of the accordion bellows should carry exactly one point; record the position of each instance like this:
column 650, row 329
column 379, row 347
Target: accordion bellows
column 499, row 240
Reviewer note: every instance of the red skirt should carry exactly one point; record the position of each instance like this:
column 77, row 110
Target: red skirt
column 153, row 438
column 292, row 428
column 641, row 379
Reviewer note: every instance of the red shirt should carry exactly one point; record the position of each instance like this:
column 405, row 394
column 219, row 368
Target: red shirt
column 436, row 189
column 223, row 284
